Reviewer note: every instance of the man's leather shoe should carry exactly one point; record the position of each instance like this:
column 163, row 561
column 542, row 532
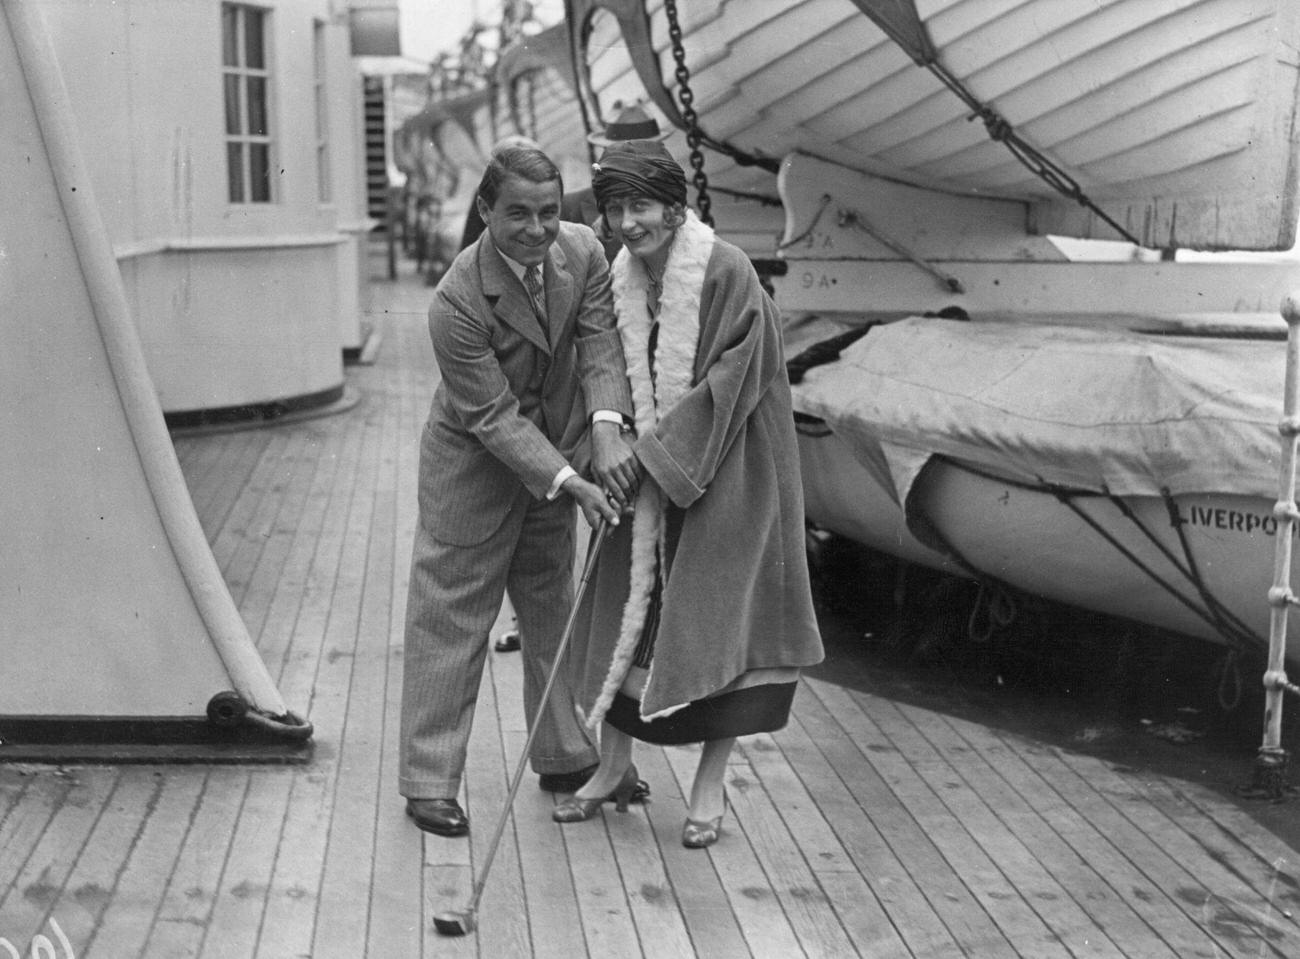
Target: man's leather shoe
column 566, row 782
column 443, row 817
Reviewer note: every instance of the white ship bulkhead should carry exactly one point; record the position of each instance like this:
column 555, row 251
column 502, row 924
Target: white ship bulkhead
column 236, row 303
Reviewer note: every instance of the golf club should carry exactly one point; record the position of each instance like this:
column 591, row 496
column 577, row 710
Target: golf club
column 462, row 922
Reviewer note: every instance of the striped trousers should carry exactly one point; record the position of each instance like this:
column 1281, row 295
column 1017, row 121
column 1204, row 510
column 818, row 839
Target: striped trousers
column 455, row 596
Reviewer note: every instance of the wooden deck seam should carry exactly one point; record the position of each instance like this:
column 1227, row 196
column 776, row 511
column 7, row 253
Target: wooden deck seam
column 933, row 928
column 984, row 934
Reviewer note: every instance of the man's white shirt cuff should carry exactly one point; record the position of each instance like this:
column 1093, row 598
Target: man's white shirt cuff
column 556, row 483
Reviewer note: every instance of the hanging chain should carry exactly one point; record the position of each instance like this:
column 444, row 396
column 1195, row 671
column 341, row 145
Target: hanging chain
column 693, row 136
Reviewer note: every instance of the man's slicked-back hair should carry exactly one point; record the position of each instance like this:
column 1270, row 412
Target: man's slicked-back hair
column 527, row 163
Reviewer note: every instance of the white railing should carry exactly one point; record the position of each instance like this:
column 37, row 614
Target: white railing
column 1271, row 762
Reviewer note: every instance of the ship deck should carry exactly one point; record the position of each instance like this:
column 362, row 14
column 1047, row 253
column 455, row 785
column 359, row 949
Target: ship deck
column 874, row 825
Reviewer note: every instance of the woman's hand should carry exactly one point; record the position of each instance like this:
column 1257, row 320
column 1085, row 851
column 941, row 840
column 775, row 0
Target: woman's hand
column 615, row 466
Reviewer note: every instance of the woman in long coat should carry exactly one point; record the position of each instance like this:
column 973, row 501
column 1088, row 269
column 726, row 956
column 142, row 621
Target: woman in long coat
column 700, row 613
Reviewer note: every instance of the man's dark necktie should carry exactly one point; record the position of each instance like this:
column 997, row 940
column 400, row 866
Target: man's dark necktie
column 533, row 283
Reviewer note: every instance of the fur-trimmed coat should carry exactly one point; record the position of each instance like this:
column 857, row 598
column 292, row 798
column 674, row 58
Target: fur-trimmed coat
column 715, row 433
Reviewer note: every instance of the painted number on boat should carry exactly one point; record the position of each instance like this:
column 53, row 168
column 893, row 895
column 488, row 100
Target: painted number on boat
column 1232, row 520
column 810, row 280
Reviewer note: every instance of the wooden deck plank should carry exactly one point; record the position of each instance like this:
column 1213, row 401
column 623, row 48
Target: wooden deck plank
column 200, row 456
column 244, row 531
column 753, row 818
column 706, row 909
column 39, row 890
column 1225, row 902
column 92, row 883
column 38, row 794
column 292, row 640
column 240, row 453
column 13, row 783
column 1274, row 880
column 1092, row 842
column 192, row 891
column 910, row 838
column 554, row 921
column 661, row 930
column 859, row 910
column 352, row 675
column 293, row 897
column 1272, row 852
column 258, row 565
column 1060, row 921
column 1006, row 906
column 289, row 635
column 398, row 360
column 395, row 900
column 240, row 905
column 1084, row 882
column 1186, row 882
column 604, row 910
column 503, row 909
column 124, row 928
column 823, row 754
column 758, row 907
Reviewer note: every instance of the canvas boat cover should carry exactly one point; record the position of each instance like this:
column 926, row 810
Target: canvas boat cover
column 1100, row 409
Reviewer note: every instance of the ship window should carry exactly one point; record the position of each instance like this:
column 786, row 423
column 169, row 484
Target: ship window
column 322, row 113
column 247, row 85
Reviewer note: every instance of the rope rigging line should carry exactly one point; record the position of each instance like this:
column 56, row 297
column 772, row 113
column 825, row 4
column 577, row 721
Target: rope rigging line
column 921, row 49
column 1236, row 635
column 1030, row 157
column 1066, row 497
column 1192, row 571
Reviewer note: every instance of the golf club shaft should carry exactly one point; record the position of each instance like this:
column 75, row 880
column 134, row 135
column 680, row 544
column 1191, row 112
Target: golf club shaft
column 593, row 550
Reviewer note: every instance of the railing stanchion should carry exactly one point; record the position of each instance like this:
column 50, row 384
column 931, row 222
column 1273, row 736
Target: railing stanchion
column 1272, row 759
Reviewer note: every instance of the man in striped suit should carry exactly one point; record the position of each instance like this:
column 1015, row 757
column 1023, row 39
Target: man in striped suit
column 534, row 391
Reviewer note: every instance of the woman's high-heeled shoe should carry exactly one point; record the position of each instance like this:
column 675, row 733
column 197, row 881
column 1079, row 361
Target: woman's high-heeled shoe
column 630, row 789
column 699, row 834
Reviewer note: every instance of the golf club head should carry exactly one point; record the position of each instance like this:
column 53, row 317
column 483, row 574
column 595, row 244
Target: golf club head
column 454, row 923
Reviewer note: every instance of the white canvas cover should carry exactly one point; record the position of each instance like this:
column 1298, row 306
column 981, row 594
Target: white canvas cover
column 1100, row 409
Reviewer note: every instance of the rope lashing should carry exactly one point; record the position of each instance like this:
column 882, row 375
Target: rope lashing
column 1230, row 685
column 1218, row 617
column 1192, row 571
column 1066, row 497
column 1001, row 611
column 921, row 49
column 1001, row 131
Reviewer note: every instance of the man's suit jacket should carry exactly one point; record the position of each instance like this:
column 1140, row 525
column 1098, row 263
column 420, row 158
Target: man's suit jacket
column 514, row 402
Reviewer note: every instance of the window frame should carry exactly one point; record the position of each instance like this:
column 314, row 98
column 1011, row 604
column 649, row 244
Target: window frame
column 241, row 80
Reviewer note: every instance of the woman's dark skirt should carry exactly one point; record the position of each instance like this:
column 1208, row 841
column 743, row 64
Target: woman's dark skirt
column 742, row 712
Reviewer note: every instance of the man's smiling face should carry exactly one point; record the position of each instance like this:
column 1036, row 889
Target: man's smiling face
column 525, row 219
